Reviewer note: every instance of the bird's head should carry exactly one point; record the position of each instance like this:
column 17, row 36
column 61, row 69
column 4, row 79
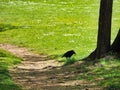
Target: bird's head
column 73, row 51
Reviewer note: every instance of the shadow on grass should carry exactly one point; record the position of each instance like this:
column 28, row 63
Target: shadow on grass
column 9, row 87
column 6, row 82
column 5, row 27
column 105, row 73
column 70, row 61
column 66, row 61
column 111, row 78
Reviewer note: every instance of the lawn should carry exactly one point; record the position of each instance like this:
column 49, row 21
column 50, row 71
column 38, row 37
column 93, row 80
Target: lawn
column 54, row 26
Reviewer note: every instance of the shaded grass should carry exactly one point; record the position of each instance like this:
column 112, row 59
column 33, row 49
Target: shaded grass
column 104, row 73
column 110, row 74
column 69, row 61
column 7, row 61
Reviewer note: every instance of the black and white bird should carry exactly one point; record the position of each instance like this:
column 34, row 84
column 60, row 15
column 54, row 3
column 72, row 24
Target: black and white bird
column 68, row 54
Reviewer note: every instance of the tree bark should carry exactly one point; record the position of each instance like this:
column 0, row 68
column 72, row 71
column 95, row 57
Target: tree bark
column 115, row 47
column 104, row 30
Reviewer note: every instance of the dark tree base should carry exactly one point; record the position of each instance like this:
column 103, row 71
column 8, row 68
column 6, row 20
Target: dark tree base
column 115, row 48
column 92, row 56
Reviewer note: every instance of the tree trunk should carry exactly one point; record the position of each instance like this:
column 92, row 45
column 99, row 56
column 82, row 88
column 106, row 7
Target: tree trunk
column 115, row 47
column 104, row 31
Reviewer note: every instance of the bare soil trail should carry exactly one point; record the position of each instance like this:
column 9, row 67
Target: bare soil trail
column 38, row 72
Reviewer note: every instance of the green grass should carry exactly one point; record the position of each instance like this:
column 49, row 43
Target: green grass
column 110, row 73
column 106, row 73
column 53, row 26
column 7, row 61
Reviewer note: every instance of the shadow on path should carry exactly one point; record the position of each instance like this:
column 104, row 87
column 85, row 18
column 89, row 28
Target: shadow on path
column 38, row 72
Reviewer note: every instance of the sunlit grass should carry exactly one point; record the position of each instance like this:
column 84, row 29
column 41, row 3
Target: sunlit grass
column 53, row 27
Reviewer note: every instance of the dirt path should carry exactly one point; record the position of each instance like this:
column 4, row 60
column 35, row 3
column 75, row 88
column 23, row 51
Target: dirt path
column 38, row 72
